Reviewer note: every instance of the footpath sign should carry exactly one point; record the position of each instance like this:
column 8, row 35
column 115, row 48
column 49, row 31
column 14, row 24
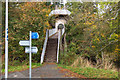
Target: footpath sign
column 24, row 43
column 35, row 35
column 30, row 49
column 33, row 50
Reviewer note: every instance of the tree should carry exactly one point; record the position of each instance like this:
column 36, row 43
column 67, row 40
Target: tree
column 25, row 17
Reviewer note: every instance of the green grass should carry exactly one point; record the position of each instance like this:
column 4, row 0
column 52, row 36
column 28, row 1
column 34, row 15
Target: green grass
column 92, row 72
column 21, row 67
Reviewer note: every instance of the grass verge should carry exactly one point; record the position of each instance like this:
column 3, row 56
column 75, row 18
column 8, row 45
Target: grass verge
column 20, row 68
column 92, row 72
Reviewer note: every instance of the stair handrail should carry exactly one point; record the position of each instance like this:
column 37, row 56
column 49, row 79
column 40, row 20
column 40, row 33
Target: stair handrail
column 59, row 36
column 44, row 46
column 58, row 45
column 52, row 31
column 63, row 31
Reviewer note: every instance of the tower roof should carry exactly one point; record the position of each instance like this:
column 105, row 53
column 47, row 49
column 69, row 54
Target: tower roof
column 60, row 12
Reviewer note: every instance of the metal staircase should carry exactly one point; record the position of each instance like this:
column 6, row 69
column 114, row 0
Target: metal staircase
column 50, row 51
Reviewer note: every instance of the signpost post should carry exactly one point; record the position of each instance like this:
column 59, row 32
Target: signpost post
column 6, row 42
column 30, row 55
column 30, row 49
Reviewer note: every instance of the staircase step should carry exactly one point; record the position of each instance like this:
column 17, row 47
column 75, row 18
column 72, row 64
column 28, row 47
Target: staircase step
column 50, row 60
column 54, row 47
column 51, row 56
column 50, row 50
column 54, row 42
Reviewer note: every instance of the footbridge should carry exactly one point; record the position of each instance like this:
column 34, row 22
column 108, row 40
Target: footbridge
column 51, row 47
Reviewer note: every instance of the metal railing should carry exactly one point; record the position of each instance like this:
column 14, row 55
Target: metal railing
column 44, row 47
column 63, row 31
column 52, row 31
column 58, row 46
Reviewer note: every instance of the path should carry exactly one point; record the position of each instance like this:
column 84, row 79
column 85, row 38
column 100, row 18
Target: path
column 46, row 71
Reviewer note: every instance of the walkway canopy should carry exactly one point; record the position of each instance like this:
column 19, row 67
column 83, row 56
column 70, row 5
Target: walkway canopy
column 60, row 12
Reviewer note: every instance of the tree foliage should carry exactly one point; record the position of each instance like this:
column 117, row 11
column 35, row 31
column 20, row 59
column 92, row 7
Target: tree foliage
column 92, row 31
column 25, row 17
